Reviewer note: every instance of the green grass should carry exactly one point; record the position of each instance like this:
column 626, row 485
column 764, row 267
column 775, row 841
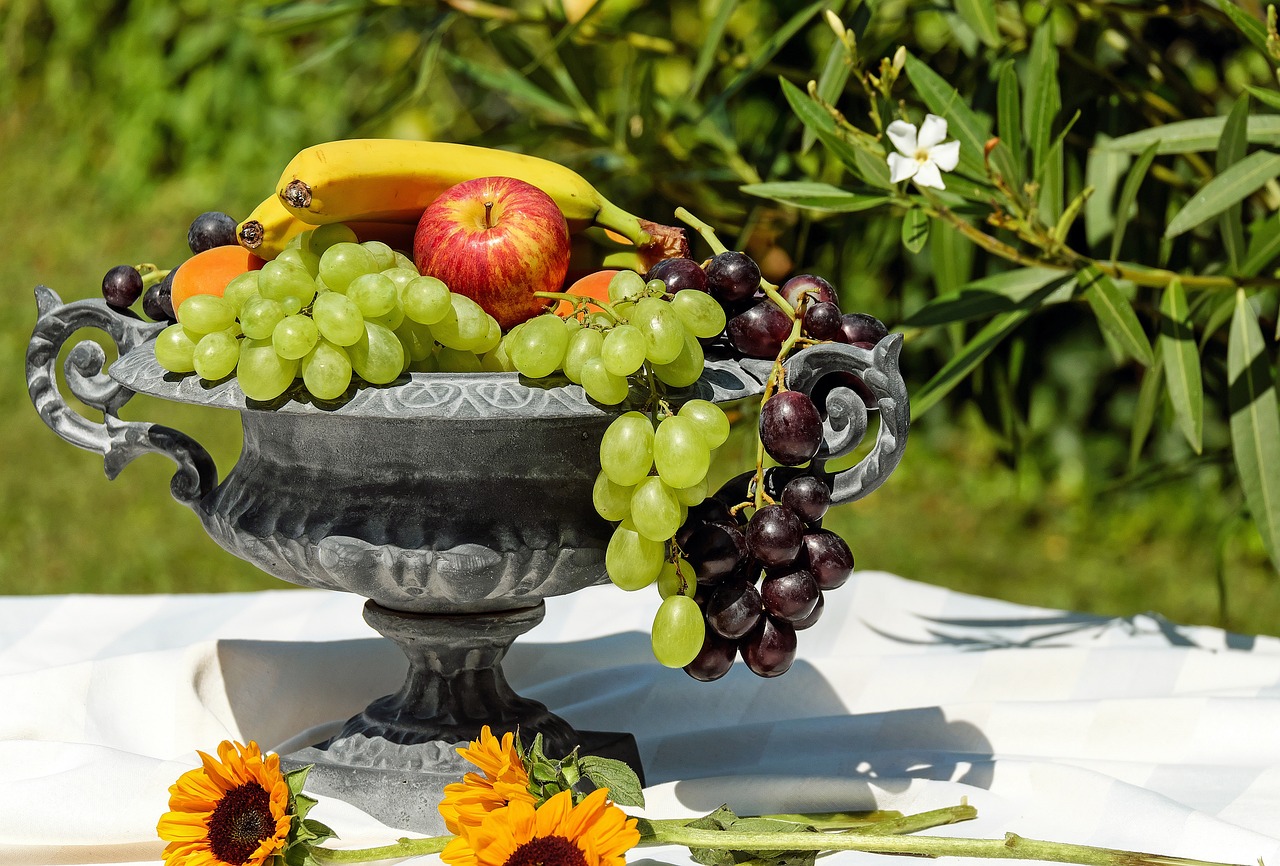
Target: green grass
column 952, row 515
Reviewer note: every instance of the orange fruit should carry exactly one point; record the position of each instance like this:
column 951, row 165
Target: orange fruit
column 595, row 285
column 209, row 272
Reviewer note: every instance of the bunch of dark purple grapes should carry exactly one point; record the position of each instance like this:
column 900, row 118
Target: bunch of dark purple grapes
column 761, row 579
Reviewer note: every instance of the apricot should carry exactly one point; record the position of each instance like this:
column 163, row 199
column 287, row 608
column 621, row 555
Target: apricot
column 594, row 285
column 209, row 272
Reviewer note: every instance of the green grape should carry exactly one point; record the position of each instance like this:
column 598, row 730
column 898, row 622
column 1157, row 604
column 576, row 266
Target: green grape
column 429, row 364
column 216, row 356
column 655, row 511
column 655, row 289
column 625, row 285
column 492, row 337
column 174, row 350
column 377, row 357
column 416, row 338
column 599, row 320
column 295, row 336
column 291, row 306
column 686, row 368
column 300, row 257
column 391, row 320
column 465, row 327
column 457, row 361
column 541, row 345
column 680, row 453
column 401, row 277
column 676, row 578
column 694, row 494
column 263, row 375
column 374, row 294
column 623, row 350
column 626, row 449
column 601, row 385
column 241, row 288
column 280, row 280
column 496, row 360
column 678, row 631
column 338, row 318
column 383, row 256
column 326, row 371
column 205, row 314
column 323, row 237
column 633, row 561
column 343, row 262
column 583, row 345
column 300, row 241
column 234, row 328
column 572, row 325
column 259, row 317
column 662, row 329
column 612, row 501
column 712, row 423
column 701, row 313
column 426, row 300
column 403, row 261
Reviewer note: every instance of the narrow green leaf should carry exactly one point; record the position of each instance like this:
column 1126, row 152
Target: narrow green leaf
column 963, row 362
column 1264, row 246
column 815, row 117
column 831, row 81
column 1243, row 179
column 988, row 297
column 951, row 256
column 962, row 122
column 1102, row 171
column 1253, row 29
column 1218, row 317
column 1129, row 195
column 764, row 54
column 512, row 85
column 1051, row 177
column 1255, row 423
column 1115, row 314
column 1144, row 413
column 1194, row 136
column 815, row 196
column 1182, row 364
column 915, row 229
column 1009, row 110
column 1266, row 97
column 1042, row 99
column 872, row 166
column 981, row 16
column 1231, row 149
column 710, row 42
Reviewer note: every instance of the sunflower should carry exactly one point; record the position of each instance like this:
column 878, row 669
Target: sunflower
column 505, row 781
column 232, row 810
column 593, row 833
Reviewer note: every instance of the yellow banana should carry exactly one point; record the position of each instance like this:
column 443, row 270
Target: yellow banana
column 271, row 226
column 395, row 179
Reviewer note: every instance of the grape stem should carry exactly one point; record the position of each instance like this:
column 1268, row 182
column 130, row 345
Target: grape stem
column 150, row 274
column 776, row 379
column 581, row 302
column 717, row 246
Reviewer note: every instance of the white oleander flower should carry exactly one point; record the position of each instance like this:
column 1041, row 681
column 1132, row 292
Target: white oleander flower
column 922, row 157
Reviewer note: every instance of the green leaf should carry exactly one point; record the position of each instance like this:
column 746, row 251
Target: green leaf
column 1144, row 413
column 815, row 196
column 764, row 54
column 1009, row 113
column 962, row 363
column 831, row 81
column 951, row 254
column 1193, row 136
column 815, row 117
column 1129, row 194
column 1255, row 423
column 1242, row 179
column 1251, row 27
column 1103, row 170
column 513, row 85
column 295, row 780
column 1218, row 317
column 1050, row 177
column 622, row 782
column 915, row 229
column 1181, row 361
column 1043, row 98
column 318, row 832
column 1264, row 246
column 710, row 42
column 981, row 16
column 962, row 122
column 1115, row 314
column 1231, row 149
column 1266, row 97
column 1023, row 288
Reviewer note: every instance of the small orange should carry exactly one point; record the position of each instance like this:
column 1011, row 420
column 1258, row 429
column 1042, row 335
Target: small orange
column 209, row 272
column 595, row 285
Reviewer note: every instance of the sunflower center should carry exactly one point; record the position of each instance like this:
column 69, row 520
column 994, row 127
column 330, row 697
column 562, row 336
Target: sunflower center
column 240, row 821
column 547, row 851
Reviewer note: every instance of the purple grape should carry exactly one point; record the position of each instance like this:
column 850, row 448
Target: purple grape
column 808, row 496
column 828, row 558
column 714, row 550
column 157, row 303
column 819, row 290
column 734, row 608
column 714, row 659
column 732, row 276
column 790, row 428
column 211, row 229
column 813, row 616
column 121, row 286
column 760, row 331
column 822, row 321
column 861, row 328
column 789, row 594
column 678, row 274
column 770, row 648
column 774, row 535
column 841, row 379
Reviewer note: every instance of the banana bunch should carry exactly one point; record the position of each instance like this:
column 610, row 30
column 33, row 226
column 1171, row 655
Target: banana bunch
column 379, row 184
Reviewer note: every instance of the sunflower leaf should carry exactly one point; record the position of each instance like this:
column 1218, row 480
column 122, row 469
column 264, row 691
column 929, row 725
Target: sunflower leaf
column 622, row 782
column 302, row 804
column 297, row 779
column 319, row 832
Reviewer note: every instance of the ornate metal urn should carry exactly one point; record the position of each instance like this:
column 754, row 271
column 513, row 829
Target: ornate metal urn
column 455, row 503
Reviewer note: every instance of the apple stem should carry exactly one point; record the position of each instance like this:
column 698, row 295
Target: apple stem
column 488, row 211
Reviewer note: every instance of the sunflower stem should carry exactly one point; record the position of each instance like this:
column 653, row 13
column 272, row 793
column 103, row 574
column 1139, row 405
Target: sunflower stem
column 403, row 848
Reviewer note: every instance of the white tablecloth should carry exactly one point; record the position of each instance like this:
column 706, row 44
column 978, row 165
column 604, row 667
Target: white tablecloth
column 1132, row 733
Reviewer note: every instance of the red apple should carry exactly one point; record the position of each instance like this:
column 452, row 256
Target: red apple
column 496, row 240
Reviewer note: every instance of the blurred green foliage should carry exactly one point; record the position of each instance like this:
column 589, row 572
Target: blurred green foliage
column 1025, row 478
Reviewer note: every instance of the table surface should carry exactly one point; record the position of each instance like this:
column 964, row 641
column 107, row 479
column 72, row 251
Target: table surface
column 1132, row 733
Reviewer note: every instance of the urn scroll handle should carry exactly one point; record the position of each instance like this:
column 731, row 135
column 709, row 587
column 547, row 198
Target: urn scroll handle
column 119, row 442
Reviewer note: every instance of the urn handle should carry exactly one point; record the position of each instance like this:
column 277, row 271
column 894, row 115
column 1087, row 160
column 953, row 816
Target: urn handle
column 860, row 374
column 119, row 442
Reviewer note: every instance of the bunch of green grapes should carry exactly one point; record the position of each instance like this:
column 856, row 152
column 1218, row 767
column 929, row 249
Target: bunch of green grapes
column 653, row 464
column 326, row 310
